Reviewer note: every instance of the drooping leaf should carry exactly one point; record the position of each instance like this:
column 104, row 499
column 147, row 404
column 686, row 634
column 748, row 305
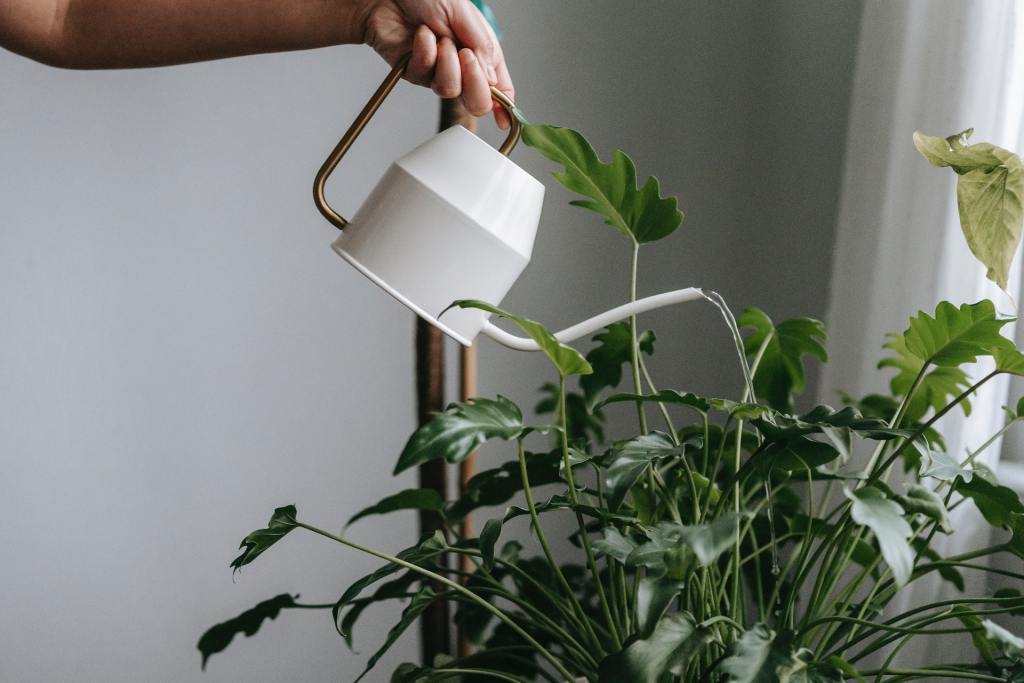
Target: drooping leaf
column 780, row 373
column 488, row 537
column 989, row 192
column 460, row 430
column 797, row 454
column 759, row 656
column 706, row 541
column 654, row 595
column 614, row 350
column 218, row 637
column 885, row 518
column 409, row 499
column 419, row 603
column 824, row 419
column 922, row 500
column 995, row 502
column 667, row 651
column 281, row 522
column 610, row 188
column 346, row 618
column 566, row 359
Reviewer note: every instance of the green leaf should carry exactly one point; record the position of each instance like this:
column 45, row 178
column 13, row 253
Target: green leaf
column 706, row 541
column 281, row 522
column 797, row 455
column 1011, row 362
column 218, row 637
column 672, row 396
column 346, row 618
column 419, row 603
column 885, row 518
column 488, row 537
column 989, row 192
column 611, row 189
column 922, row 500
column 614, row 545
column 614, row 350
column 1010, row 645
column 585, row 422
column 955, row 336
column 566, row 359
column 1016, row 543
column 941, row 465
column 497, row 486
column 667, row 651
column 780, row 374
column 629, row 460
column 460, row 430
column 409, row 499
column 760, row 657
column 936, row 389
column 654, row 595
column 995, row 502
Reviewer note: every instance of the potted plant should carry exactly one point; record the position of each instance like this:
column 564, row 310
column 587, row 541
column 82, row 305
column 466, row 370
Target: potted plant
column 725, row 539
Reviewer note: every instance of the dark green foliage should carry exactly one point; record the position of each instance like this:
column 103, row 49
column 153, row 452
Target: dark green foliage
column 218, row 637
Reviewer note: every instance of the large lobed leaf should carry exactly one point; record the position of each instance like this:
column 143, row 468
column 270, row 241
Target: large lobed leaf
column 780, row 373
column 566, row 359
column 460, row 430
column 935, row 390
column 955, row 336
column 610, row 188
column 614, row 349
column 989, row 195
column 761, row 656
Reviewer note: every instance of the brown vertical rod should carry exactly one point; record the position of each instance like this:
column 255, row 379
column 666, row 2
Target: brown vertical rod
column 435, row 623
column 467, row 390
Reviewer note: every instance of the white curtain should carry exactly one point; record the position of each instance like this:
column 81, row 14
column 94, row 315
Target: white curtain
column 938, row 67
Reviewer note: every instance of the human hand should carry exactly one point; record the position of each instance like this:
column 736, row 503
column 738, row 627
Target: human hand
column 454, row 51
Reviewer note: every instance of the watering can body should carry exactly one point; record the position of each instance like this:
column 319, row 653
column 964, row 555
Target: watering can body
column 453, row 219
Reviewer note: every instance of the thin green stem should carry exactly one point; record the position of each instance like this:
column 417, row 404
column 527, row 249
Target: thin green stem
column 932, row 673
column 487, row 673
column 634, row 350
column 584, row 536
column 454, row 585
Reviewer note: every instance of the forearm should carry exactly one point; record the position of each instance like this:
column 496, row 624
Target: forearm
column 110, row 34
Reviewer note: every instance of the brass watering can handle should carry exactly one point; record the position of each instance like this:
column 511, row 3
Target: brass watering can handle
column 364, row 117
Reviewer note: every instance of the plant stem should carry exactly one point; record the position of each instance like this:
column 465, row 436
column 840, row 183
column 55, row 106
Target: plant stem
column 550, row 556
column 584, row 536
column 454, row 585
column 932, row 673
column 634, row 350
column 448, row 673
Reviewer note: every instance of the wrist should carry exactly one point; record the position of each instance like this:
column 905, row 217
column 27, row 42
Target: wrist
column 354, row 17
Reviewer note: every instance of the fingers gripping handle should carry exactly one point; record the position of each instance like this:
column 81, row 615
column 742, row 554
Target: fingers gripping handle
column 364, row 117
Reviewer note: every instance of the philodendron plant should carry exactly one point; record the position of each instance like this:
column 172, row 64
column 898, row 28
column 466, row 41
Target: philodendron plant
column 726, row 539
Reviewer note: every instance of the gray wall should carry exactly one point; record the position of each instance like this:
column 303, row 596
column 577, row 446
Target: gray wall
column 180, row 352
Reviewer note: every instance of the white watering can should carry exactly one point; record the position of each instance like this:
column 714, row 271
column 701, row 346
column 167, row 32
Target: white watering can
column 453, row 219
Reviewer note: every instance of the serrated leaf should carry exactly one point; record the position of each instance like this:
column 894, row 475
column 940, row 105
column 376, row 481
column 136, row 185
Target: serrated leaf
column 936, row 389
column 780, row 373
column 566, row 359
column 460, row 430
column 409, row 499
column 281, row 522
column 614, row 349
column 218, row 637
column 989, row 194
column 885, row 518
column 667, row 651
column 610, row 188
column 923, row 500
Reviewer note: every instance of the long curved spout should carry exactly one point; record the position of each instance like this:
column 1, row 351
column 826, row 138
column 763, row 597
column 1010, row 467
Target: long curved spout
column 598, row 322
